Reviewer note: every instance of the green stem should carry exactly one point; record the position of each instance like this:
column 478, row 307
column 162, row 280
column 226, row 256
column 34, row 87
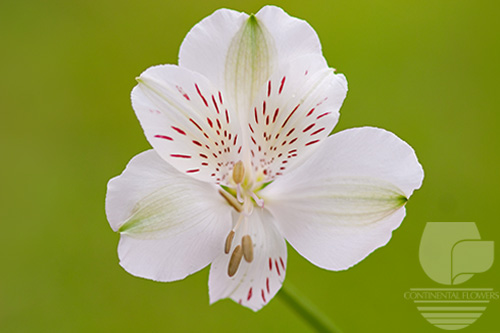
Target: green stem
column 308, row 311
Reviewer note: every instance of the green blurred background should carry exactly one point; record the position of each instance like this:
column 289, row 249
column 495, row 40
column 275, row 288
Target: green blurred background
column 427, row 70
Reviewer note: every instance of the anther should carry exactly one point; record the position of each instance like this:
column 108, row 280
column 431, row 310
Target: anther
column 229, row 241
column 235, row 260
column 231, row 201
column 238, row 172
column 246, row 243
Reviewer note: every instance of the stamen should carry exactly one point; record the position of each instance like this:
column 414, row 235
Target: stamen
column 229, row 241
column 258, row 201
column 231, row 201
column 238, row 172
column 235, row 260
column 246, row 243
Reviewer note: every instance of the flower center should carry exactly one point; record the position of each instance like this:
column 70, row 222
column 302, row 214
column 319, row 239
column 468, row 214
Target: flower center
column 241, row 195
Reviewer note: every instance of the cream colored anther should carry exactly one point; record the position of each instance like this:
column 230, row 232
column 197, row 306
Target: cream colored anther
column 235, row 260
column 246, row 244
column 229, row 241
column 238, row 172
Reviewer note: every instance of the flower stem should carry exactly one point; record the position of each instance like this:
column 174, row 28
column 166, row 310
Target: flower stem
column 308, row 311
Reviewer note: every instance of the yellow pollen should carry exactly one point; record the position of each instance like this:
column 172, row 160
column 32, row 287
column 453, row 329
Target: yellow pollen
column 235, row 260
column 229, row 241
column 238, row 172
column 246, row 243
column 231, row 201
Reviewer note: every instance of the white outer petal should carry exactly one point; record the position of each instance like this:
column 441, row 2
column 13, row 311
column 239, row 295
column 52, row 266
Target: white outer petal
column 172, row 225
column 205, row 47
column 264, row 275
column 345, row 201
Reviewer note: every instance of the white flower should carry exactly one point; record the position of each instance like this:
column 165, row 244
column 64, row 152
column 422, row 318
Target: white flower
column 242, row 161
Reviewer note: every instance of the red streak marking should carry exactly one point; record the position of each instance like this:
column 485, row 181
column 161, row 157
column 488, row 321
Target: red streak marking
column 260, row 148
column 203, row 155
column 210, row 123
column 255, row 115
column 311, row 142
column 308, row 128
column 282, row 263
column 282, row 84
column 290, row 132
column 235, row 137
column 283, row 143
column 276, row 114
column 279, row 155
column 320, row 130
column 263, row 296
column 179, row 130
column 284, row 162
column 164, row 137
column 264, row 108
column 227, row 117
column 239, row 150
column 196, row 124
column 251, row 129
column 282, row 168
column 215, row 155
column 270, row 264
column 180, row 156
column 292, row 151
column 322, row 115
column 197, row 143
column 218, row 123
column 310, row 112
column 267, row 120
column 269, row 88
column 293, row 141
column 267, row 285
column 253, row 154
column 204, row 163
column 290, row 115
column 220, row 98
column 182, row 92
column 225, row 134
column 249, row 294
column 213, row 175
column 277, row 136
column 199, row 93
column 215, row 104
column 277, row 267
column 192, row 170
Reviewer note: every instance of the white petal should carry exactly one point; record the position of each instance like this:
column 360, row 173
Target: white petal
column 293, row 37
column 345, row 201
column 187, row 122
column 295, row 110
column 171, row 224
column 238, row 52
column 255, row 283
column 205, row 47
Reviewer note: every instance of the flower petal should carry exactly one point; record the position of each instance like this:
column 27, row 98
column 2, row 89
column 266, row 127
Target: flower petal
column 346, row 200
column 205, row 47
column 188, row 122
column 255, row 283
column 293, row 37
column 171, row 224
column 238, row 52
column 295, row 110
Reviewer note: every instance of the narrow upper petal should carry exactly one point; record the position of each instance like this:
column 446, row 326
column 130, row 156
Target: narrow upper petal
column 346, row 200
column 294, row 111
column 254, row 283
column 188, row 122
column 171, row 224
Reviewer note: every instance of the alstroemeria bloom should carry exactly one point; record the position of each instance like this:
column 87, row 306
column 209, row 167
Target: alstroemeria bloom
column 242, row 161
